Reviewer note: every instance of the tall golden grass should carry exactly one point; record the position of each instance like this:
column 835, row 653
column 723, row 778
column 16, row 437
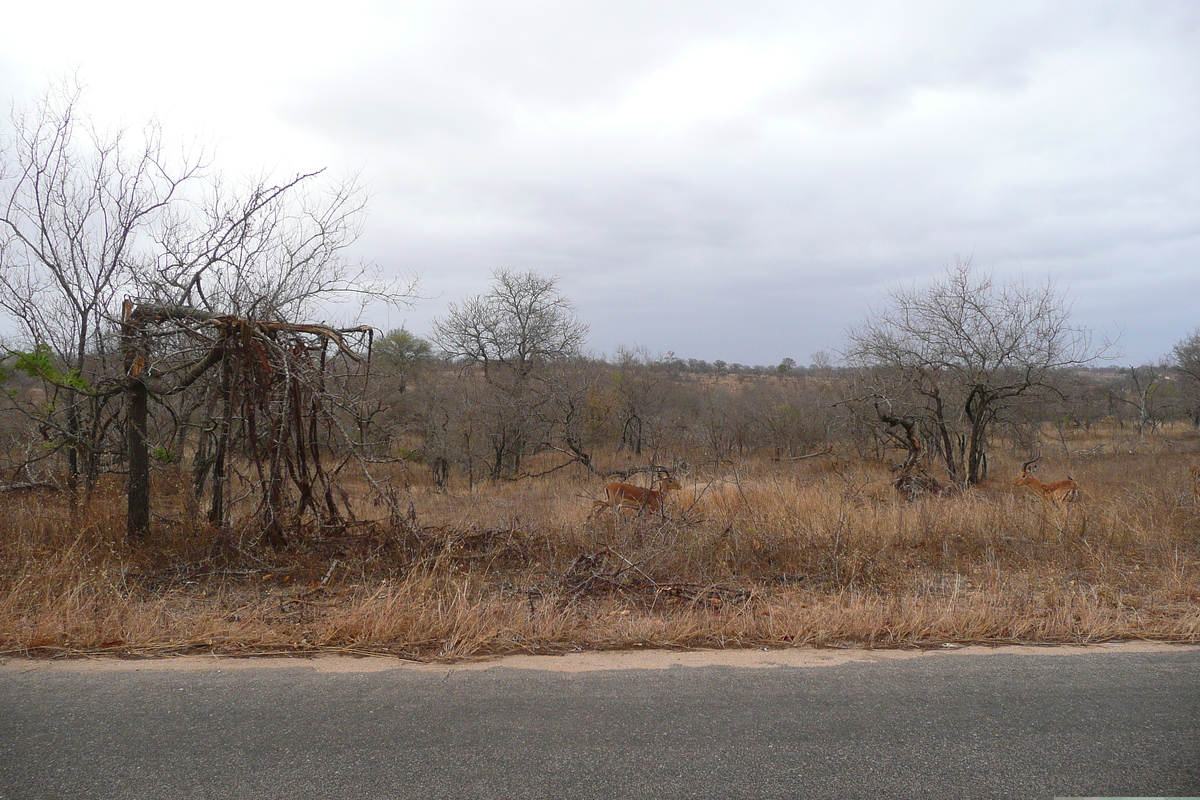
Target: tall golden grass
column 761, row 553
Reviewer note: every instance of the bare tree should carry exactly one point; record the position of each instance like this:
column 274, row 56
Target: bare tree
column 77, row 207
column 1142, row 394
column 521, row 325
column 523, row 321
column 570, row 420
column 1186, row 355
column 956, row 354
column 104, row 234
column 266, row 250
column 639, row 383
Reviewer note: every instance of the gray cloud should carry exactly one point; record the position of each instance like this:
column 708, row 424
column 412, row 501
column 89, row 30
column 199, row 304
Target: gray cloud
column 740, row 184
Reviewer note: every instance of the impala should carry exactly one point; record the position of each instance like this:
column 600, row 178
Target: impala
column 1060, row 492
column 626, row 495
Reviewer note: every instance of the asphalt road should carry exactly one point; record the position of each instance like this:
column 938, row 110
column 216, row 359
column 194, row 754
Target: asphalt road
column 1020, row 724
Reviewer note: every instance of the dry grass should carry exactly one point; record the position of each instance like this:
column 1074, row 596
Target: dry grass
column 765, row 554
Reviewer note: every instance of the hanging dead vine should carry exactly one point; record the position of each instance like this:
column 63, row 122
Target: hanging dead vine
column 274, row 458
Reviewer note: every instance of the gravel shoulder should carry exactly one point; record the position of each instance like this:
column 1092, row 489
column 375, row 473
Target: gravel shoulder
column 578, row 662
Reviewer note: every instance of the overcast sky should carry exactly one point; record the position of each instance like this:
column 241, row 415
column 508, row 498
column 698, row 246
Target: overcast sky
column 736, row 181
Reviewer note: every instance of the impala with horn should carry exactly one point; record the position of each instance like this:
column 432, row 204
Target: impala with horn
column 1060, row 492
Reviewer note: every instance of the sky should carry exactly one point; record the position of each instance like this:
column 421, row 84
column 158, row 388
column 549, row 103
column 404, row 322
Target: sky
column 735, row 181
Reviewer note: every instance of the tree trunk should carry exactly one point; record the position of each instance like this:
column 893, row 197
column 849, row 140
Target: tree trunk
column 977, row 445
column 138, row 523
column 216, row 513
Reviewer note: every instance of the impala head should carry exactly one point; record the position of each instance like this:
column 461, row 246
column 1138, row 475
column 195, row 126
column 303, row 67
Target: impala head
column 1026, row 471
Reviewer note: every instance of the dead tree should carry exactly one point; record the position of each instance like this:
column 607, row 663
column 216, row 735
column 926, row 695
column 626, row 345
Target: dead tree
column 912, row 479
column 277, row 410
column 962, row 353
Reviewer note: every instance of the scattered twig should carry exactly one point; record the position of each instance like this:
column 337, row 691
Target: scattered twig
column 329, row 572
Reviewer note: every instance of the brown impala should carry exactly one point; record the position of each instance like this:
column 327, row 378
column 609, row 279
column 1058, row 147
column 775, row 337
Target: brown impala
column 1060, row 492
column 626, row 495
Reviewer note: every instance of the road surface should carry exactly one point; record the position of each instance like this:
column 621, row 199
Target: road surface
column 976, row 723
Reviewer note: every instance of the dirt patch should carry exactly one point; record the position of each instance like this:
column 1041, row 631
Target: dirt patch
column 580, row 662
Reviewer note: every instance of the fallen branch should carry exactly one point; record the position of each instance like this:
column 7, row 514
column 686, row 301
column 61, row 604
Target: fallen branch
column 24, row 487
column 828, row 451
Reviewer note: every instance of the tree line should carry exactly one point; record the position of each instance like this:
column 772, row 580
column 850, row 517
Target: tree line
column 169, row 318
column 953, row 368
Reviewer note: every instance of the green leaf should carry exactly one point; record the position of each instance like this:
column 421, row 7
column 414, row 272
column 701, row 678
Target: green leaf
column 39, row 363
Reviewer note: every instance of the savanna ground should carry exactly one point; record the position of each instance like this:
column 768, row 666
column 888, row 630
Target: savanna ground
column 759, row 553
